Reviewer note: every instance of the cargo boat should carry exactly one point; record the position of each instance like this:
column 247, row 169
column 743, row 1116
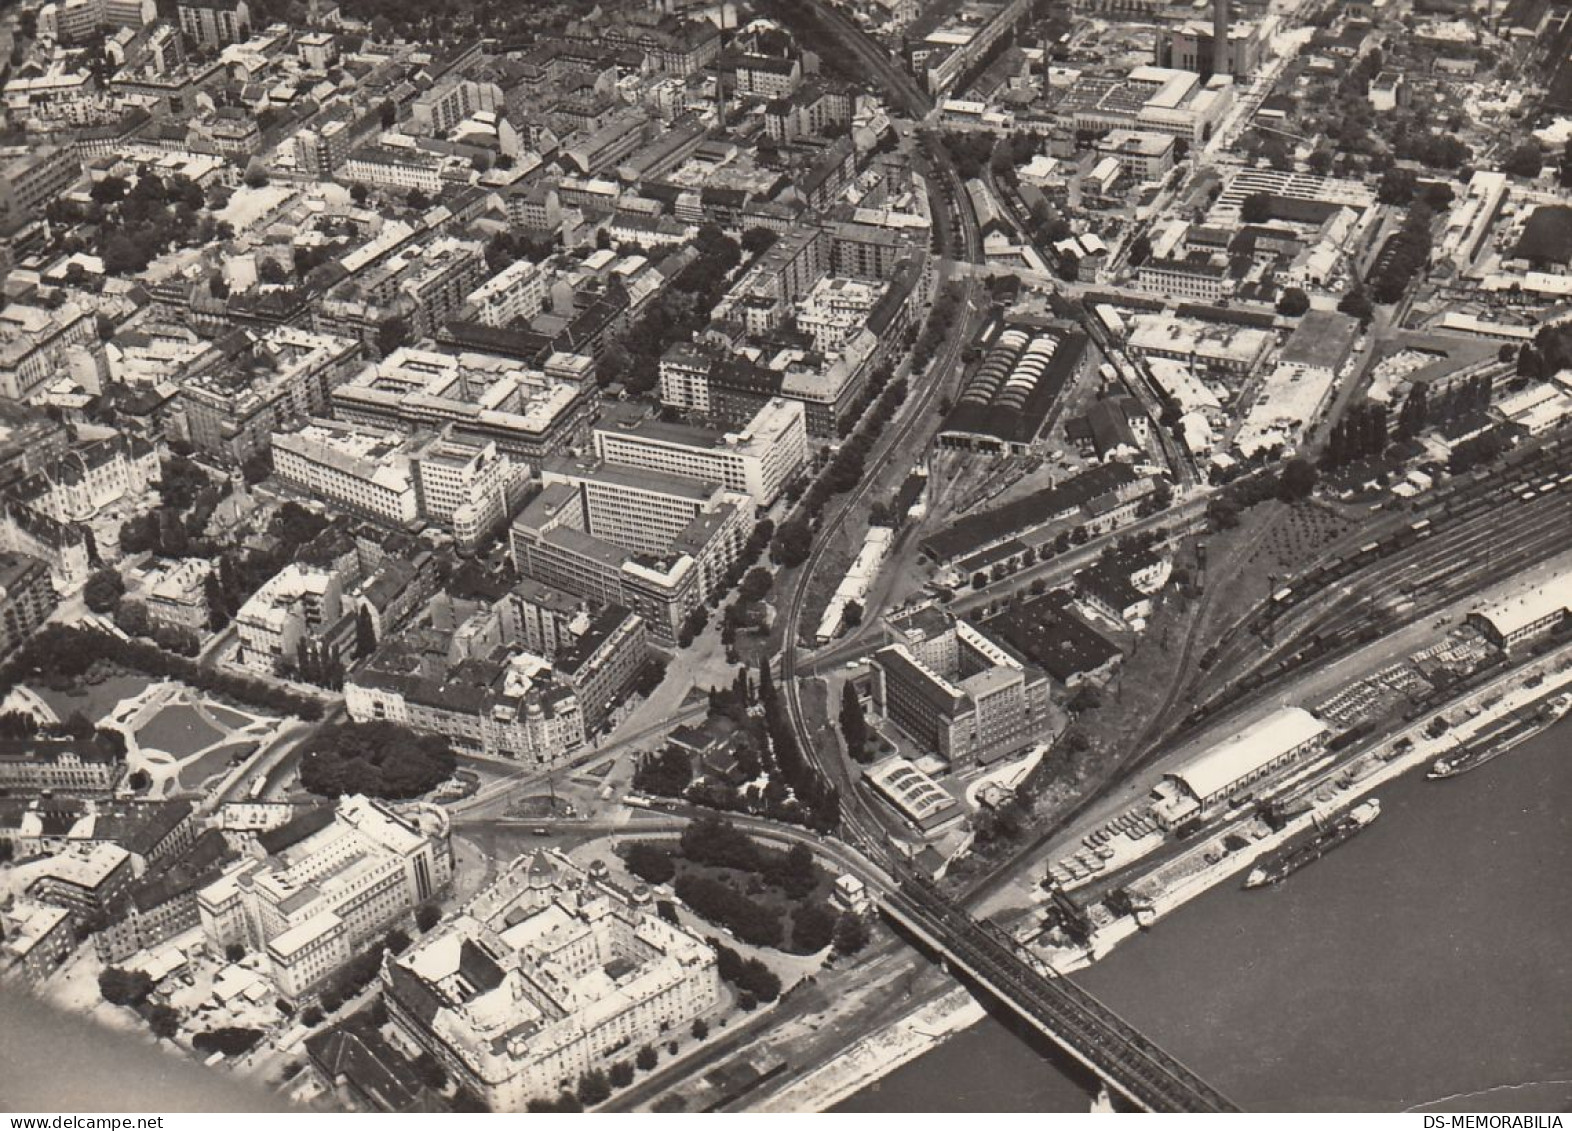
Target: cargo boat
column 1491, row 746
column 1278, row 866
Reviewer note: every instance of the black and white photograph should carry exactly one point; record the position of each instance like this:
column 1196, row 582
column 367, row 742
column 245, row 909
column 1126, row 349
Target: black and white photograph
column 894, row 558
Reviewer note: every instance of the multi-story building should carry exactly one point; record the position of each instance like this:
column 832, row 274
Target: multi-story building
column 505, row 704
column 323, row 146
column 27, row 599
column 531, row 414
column 66, row 548
column 760, row 459
column 1146, row 155
column 398, row 167
column 363, row 470
column 35, row 938
column 463, row 483
column 37, row 346
column 298, row 603
column 545, row 975
column 86, row 480
column 515, row 294
column 1200, row 277
column 602, row 661
column 332, row 880
column 215, row 23
column 959, row 692
column 74, row 765
column 31, row 178
column 86, row 879
column 176, row 596
column 646, row 511
column 162, row 905
column 249, row 386
column 556, row 541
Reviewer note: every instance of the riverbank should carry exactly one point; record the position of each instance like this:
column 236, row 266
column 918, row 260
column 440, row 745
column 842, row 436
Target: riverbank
column 917, row 1084
column 879, row 1054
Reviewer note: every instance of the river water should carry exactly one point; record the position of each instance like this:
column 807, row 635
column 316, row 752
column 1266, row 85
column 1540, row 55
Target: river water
column 1428, row 961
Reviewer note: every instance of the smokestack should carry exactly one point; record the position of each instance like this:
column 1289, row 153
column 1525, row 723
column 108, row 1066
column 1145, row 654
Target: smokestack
column 1220, row 38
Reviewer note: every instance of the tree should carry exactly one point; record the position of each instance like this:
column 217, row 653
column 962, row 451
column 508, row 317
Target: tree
column 234, row 952
column 311, row 1017
column 650, row 863
column 1356, row 304
column 812, row 928
column 417, row 200
column 756, row 241
column 851, row 614
column 647, row 1059
column 429, row 1071
column 851, row 933
column 103, row 590
column 594, row 1088
column 365, row 633
column 124, row 987
column 359, row 193
column 1293, row 302
column 380, row 759
column 1299, row 477
column 621, row 1074
column 392, row 334
column 139, row 780
column 387, row 113
column 793, row 542
column 427, row 916
column 1256, row 208
column 1525, row 160
column 854, row 727
column 396, row 941
column 701, row 1029
column 163, row 1020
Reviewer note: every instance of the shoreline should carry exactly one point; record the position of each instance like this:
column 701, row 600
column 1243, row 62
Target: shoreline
column 871, row 1062
column 878, row 1054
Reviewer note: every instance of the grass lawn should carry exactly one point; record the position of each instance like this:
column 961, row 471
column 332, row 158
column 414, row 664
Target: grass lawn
column 230, row 718
column 95, row 700
column 215, row 761
column 179, row 730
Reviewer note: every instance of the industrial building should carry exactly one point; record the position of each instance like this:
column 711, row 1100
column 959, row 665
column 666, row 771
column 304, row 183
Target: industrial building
column 1007, row 405
column 1232, row 769
column 1521, row 619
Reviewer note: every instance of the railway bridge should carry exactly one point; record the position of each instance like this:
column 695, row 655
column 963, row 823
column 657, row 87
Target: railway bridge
column 1077, row 1022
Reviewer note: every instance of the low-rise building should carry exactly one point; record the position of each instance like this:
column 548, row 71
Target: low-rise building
column 1528, row 616
column 1237, row 767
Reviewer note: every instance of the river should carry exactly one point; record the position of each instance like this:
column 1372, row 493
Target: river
column 1428, row 961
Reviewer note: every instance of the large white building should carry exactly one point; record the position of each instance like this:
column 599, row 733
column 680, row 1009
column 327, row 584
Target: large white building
column 546, row 974
column 515, row 294
column 361, row 469
column 1232, row 769
column 1527, row 616
column 322, row 887
column 761, row 459
column 456, row 481
column 299, row 601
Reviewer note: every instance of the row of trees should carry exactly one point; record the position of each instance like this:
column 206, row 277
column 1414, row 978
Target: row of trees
column 794, row 540
column 854, row 727
column 819, row 799
column 1360, row 434
column 68, row 651
column 1405, row 256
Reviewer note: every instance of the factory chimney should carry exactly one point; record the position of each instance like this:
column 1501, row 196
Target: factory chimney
column 1220, row 64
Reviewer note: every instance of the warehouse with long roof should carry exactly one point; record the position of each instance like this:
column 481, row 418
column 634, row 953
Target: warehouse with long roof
column 1232, row 768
